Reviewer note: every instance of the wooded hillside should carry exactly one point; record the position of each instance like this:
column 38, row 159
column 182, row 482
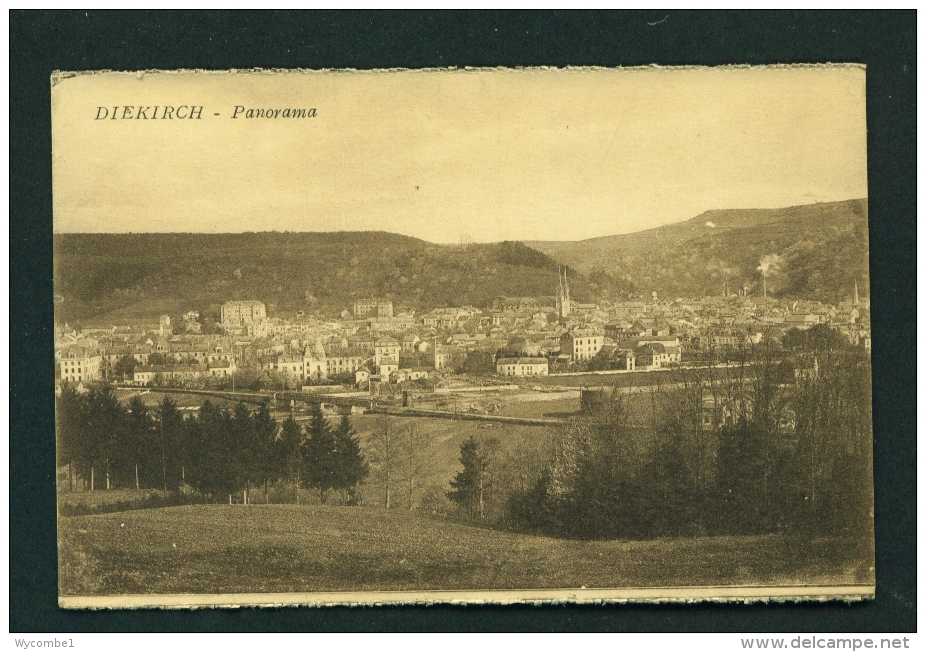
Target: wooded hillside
column 815, row 251
column 112, row 278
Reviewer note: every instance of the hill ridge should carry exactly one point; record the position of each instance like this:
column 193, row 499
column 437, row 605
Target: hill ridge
column 115, row 277
column 705, row 215
column 820, row 249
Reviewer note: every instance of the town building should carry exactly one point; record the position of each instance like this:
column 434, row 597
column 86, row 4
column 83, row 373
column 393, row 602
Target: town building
column 522, row 367
column 671, row 352
column 362, row 376
column 292, row 365
column 581, row 344
column 341, row 361
column 650, row 356
column 413, row 373
column 222, row 368
column 386, row 347
column 387, row 366
column 80, row 365
column 372, row 308
column 393, row 324
column 238, row 313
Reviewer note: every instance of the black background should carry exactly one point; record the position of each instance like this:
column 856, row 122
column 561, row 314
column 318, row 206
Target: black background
column 41, row 42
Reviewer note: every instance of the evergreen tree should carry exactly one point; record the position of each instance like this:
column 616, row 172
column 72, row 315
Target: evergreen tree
column 470, row 486
column 241, row 449
column 263, row 438
column 140, row 453
column 290, row 453
column 586, row 486
column 319, row 455
column 212, row 452
column 170, row 443
column 193, row 441
column 350, row 466
column 71, row 422
column 105, row 428
column 744, row 462
column 667, row 494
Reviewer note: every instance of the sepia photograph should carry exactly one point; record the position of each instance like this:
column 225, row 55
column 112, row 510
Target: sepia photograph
column 470, row 336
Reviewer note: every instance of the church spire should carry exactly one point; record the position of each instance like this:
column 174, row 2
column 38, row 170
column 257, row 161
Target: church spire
column 563, row 304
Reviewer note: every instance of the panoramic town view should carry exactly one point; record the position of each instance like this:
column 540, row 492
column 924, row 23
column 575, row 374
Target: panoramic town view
column 616, row 414
column 606, row 338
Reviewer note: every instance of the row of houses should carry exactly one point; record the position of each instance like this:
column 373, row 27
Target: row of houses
column 346, row 355
column 622, row 334
column 87, row 365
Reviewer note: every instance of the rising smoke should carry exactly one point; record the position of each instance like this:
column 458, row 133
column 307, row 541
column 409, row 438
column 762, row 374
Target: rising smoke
column 769, row 265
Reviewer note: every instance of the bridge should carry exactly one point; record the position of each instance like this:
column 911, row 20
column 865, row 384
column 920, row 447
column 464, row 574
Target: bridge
column 368, row 404
column 466, row 416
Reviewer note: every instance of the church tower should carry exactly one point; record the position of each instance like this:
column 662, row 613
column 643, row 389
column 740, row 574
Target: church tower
column 563, row 302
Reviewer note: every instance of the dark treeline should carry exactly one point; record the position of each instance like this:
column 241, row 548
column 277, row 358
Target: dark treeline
column 770, row 438
column 218, row 453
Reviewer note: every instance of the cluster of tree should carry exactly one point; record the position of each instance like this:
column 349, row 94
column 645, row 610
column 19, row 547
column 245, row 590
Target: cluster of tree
column 735, row 448
column 606, row 284
column 471, row 487
column 124, row 369
column 398, row 458
column 478, row 362
column 491, row 477
column 603, row 361
column 508, row 352
column 219, row 452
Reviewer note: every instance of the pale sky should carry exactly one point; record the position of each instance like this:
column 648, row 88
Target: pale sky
column 489, row 155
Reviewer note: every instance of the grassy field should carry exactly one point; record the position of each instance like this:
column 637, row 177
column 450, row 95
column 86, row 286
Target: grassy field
column 282, row 548
column 557, row 408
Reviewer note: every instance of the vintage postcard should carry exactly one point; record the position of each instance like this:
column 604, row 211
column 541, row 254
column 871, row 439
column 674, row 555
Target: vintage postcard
column 470, row 336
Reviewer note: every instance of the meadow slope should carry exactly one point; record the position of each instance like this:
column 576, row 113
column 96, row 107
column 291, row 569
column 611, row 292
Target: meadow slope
column 284, row 548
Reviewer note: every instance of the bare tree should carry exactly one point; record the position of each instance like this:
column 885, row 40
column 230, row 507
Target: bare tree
column 413, row 445
column 385, row 450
